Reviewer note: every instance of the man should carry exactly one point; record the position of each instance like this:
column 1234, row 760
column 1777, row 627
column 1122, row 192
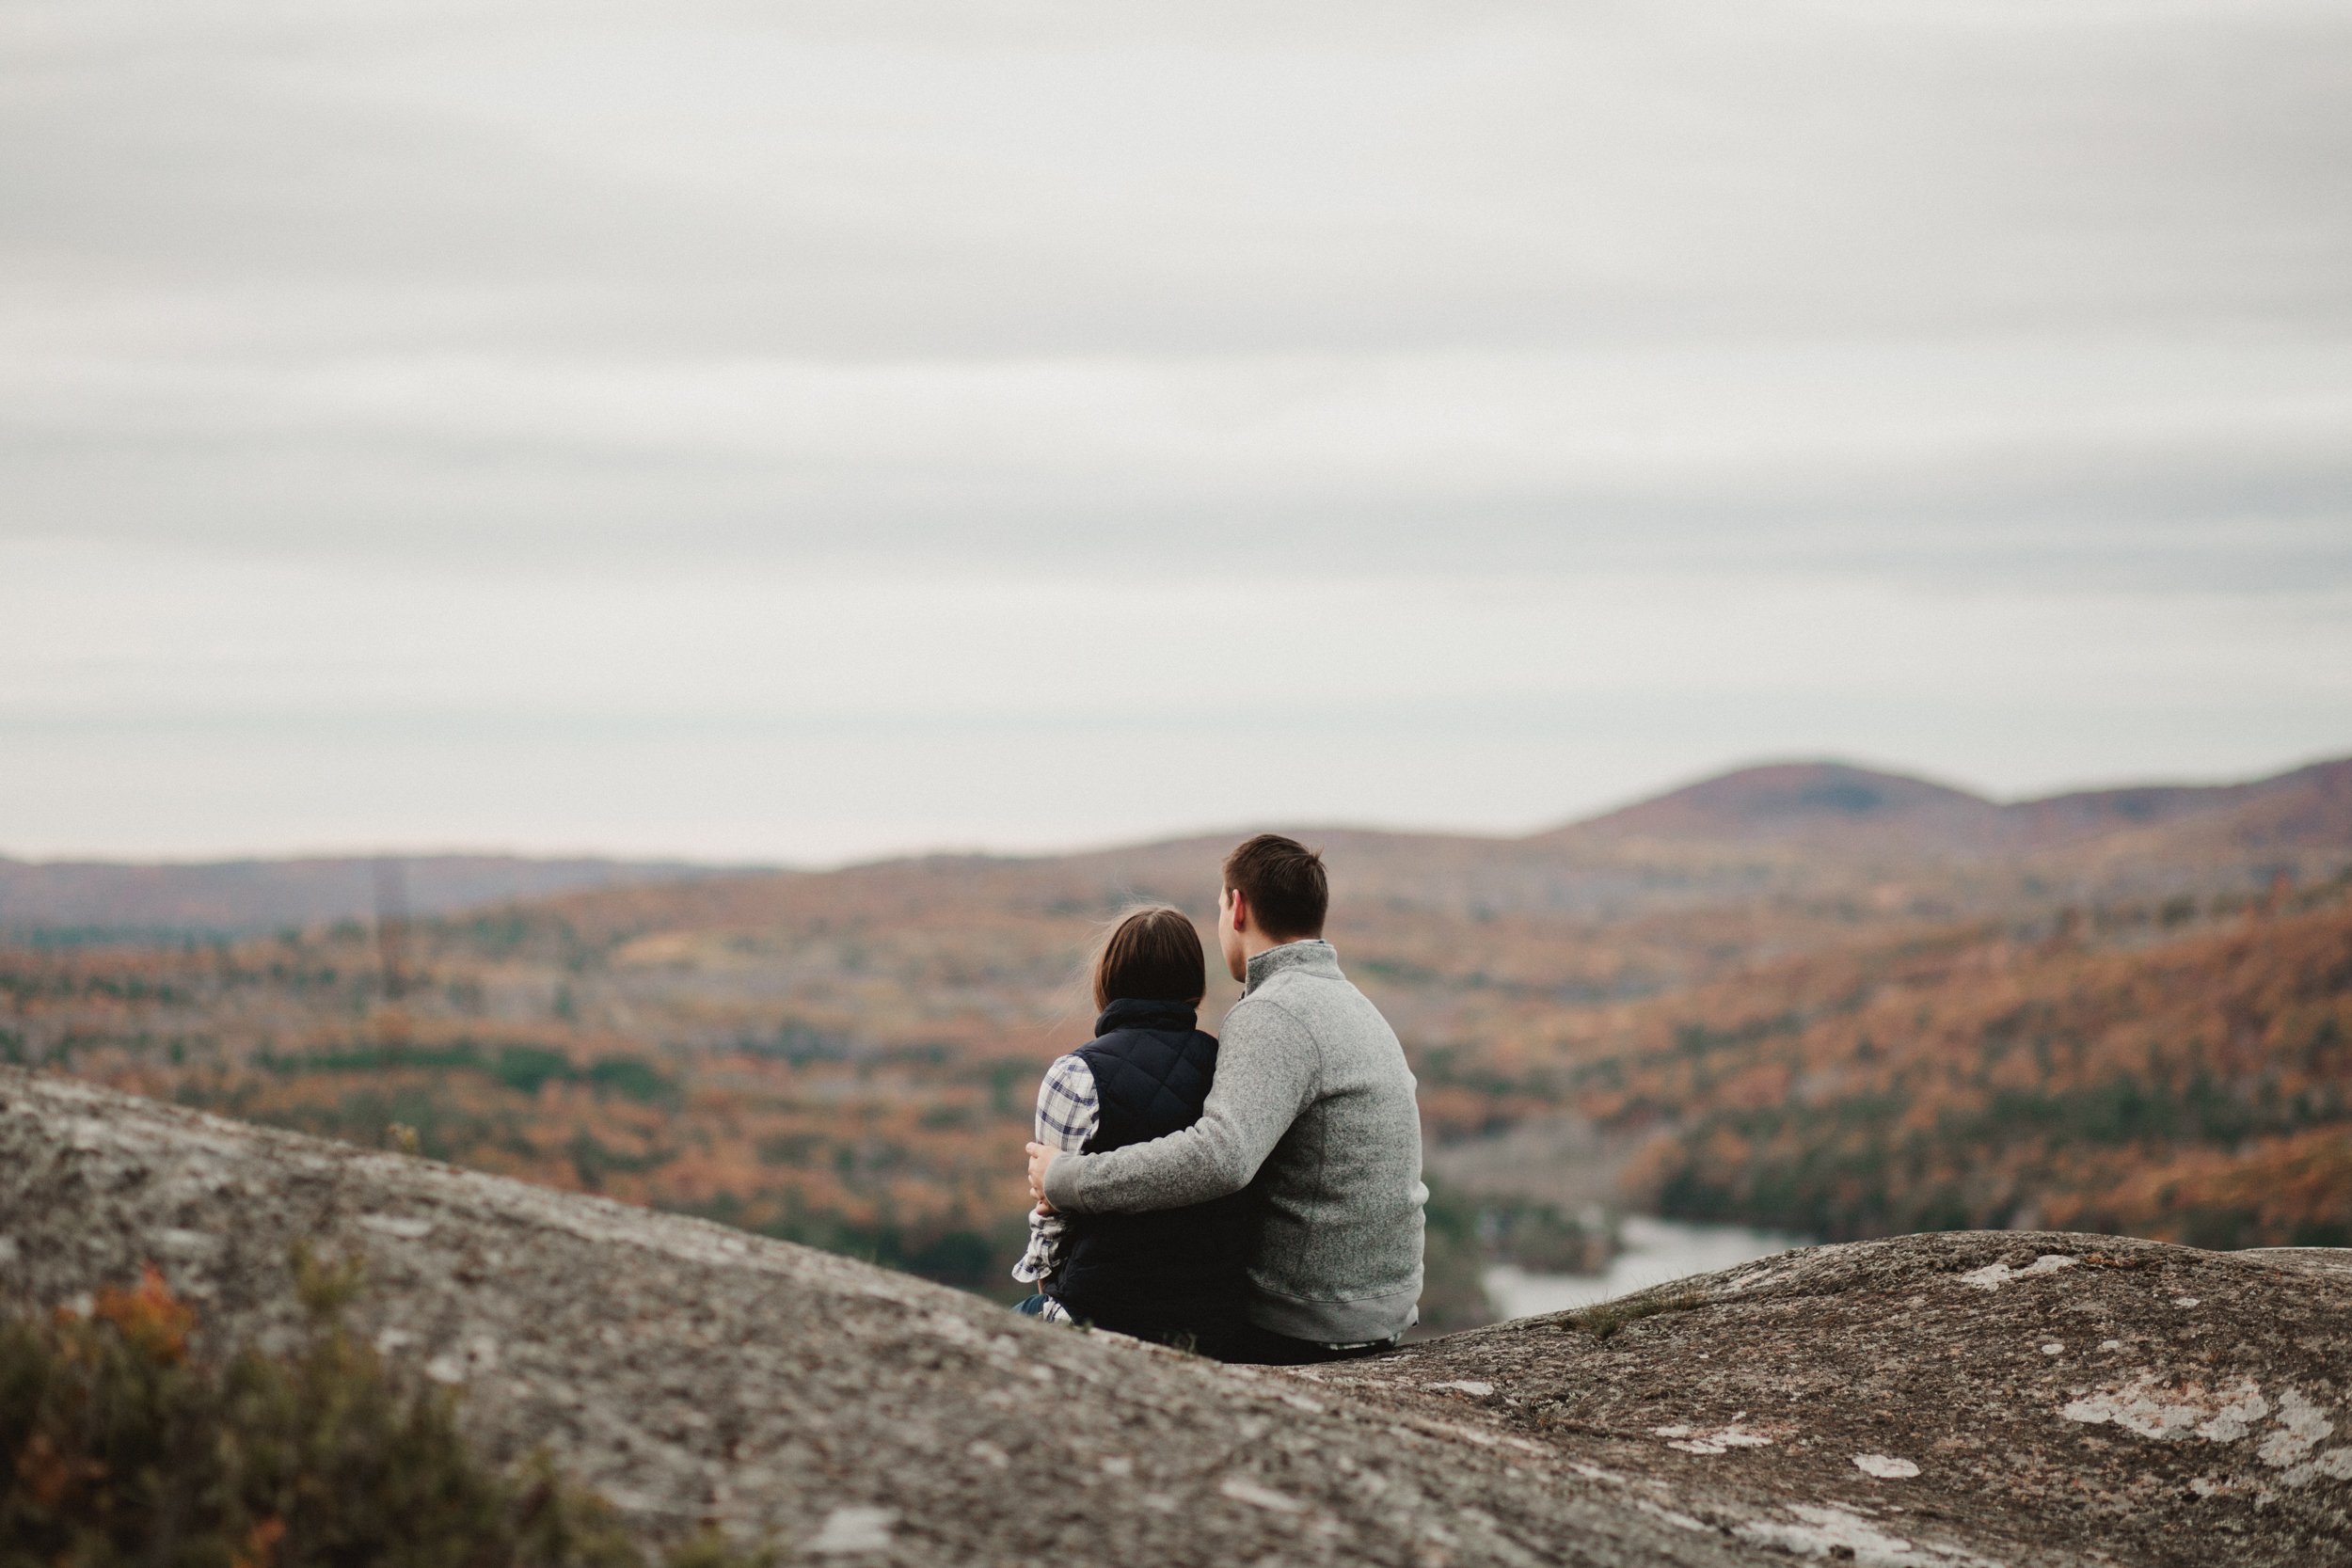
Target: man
column 1311, row 1110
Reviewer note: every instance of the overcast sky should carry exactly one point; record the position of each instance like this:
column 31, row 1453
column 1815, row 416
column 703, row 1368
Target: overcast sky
column 812, row 431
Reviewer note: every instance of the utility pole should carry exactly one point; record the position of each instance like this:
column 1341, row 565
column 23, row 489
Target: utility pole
column 391, row 946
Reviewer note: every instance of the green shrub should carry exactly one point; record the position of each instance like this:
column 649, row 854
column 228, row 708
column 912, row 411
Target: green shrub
column 1453, row 1263
column 119, row 1447
column 524, row 1067
column 631, row 1075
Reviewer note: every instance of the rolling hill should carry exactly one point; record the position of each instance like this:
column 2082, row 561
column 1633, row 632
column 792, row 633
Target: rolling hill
column 1835, row 806
column 1786, row 828
column 847, row 1057
column 100, row 899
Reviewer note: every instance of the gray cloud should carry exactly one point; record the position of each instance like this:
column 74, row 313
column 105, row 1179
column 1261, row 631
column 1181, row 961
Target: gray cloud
column 2026, row 309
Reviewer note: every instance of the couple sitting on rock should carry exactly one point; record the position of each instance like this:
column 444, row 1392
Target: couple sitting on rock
column 1256, row 1200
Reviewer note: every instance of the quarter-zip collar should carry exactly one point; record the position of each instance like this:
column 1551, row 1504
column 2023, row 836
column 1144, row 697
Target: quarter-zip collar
column 1313, row 955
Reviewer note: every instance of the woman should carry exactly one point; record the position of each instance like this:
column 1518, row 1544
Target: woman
column 1173, row 1276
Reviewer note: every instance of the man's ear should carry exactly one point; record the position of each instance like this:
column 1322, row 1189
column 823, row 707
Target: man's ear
column 1241, row 911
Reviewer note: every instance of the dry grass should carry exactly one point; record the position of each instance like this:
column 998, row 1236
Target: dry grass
column 1603, row 1319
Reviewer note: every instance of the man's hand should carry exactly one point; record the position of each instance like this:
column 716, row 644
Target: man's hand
column 1040, row 1156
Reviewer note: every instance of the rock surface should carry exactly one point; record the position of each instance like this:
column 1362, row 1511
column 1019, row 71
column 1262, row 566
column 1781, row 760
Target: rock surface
column 2023, row 1397
column 1963, row 1399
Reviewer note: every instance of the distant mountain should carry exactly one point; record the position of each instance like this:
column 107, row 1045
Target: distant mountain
column 2308, row 809
column 1658, row 853
column 1805, row 801
column 249, row 895
column 1831, row 804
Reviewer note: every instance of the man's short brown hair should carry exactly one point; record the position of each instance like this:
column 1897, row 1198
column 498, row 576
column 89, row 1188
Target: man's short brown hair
column 1283, row 881
column 1151, row 954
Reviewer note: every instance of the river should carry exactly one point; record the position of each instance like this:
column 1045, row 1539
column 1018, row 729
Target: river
column 1655, row 1251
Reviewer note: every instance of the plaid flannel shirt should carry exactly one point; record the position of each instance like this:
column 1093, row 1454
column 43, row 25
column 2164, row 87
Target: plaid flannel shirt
column 1067, row 1115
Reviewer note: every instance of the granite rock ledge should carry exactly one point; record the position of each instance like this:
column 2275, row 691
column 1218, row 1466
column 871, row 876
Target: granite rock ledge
column 1966, row 1399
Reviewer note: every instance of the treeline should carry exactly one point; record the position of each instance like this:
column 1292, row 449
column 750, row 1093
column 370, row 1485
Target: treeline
column 2198, row 1091
column 521, row 1068
column 852, row 1063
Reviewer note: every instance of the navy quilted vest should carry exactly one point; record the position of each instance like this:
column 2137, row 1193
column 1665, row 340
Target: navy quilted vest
column 1176, row 1275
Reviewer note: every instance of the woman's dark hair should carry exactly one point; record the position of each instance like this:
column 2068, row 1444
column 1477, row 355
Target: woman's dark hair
column 1283, row 880
column 1151, row 954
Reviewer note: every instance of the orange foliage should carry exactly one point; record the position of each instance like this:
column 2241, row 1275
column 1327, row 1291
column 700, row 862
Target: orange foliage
column 851, row 1057
column 261, row 1545
column 149, row 1318
column 2200, row 1090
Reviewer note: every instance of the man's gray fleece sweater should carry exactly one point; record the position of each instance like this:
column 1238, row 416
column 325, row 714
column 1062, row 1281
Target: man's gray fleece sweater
column 1312, row 1109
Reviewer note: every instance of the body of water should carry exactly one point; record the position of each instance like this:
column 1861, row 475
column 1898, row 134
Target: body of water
column 1655, row 1252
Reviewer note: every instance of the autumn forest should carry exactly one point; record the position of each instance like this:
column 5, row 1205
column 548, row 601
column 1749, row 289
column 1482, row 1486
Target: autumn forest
column 1810, row 997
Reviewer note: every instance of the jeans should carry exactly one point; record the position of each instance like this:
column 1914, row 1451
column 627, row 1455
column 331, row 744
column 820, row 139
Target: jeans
column 1214, row 1344
column 1261, row 1346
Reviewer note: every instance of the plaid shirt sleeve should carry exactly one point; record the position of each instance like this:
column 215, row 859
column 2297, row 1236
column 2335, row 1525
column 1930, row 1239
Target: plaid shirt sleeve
column 1067, row 1115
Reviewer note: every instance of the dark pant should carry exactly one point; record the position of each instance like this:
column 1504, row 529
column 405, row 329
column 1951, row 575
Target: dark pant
column 1261, row 1346
column 1215, row 1344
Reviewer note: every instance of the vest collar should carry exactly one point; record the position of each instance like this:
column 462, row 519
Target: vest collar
column 1130, row 1012
column 1314, row 956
